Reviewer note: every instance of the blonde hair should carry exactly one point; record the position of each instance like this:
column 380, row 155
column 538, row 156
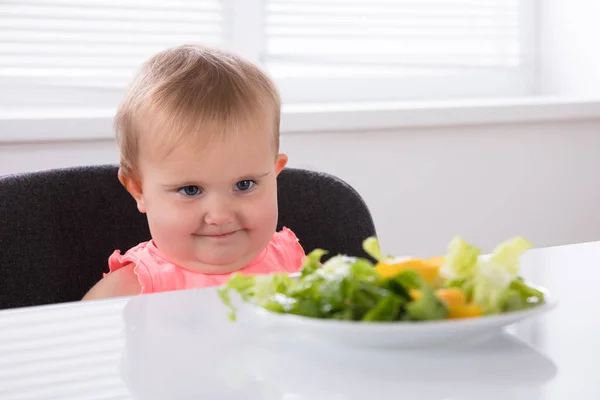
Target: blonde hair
column 193, row 93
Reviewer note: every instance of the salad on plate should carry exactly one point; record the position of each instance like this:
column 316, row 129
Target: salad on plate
column 461, row 284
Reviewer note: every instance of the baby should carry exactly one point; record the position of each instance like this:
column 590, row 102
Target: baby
column 198, row 133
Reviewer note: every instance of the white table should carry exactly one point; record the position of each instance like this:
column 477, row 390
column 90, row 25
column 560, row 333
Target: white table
column 181, row 346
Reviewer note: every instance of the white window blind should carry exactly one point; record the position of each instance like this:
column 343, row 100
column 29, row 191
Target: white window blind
column 98, row 41
column 398, row 48
column 353, row 36
column 85, row 51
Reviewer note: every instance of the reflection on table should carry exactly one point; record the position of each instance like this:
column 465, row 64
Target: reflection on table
column 171, row 347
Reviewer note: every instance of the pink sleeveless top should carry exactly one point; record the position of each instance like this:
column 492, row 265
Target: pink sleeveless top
column 156, row 274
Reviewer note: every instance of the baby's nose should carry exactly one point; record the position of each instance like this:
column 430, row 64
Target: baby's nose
column 219, row 212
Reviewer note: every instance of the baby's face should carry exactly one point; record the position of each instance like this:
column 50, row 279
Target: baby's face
column 215, row 210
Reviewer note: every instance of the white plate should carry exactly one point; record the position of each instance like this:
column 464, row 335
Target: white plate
column 387, row 334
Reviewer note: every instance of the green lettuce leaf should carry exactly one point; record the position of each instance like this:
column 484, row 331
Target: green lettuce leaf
column 386, row 309
column 312, row 261
column 427, row 307
column 371, row 247
column 495, row 275
column 257, row 289
column 520, row 296
column 460, row 261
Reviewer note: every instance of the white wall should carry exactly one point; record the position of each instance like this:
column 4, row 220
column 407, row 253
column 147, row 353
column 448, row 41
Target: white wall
column 425, row 186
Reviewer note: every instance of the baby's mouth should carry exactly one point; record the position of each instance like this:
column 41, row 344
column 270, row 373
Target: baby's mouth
column 218, row 236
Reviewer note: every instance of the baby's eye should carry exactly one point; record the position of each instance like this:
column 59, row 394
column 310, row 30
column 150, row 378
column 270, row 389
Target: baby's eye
column 244, row 185
column 190, row 190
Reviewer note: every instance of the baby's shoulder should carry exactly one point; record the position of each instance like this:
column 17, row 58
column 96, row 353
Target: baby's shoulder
column 121, row 282
column 285, row 251
column 286, row 237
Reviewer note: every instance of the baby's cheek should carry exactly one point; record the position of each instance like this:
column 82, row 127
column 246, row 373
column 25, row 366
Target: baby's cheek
column 170, row 220
column 262, row 215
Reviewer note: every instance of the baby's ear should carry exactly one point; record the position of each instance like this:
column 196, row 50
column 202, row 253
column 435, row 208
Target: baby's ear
column 280, row 163
column 134, row 187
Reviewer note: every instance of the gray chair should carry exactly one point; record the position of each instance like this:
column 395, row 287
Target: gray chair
column 58, row 227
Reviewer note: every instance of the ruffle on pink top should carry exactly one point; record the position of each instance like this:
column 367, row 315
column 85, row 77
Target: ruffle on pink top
column 156, row 274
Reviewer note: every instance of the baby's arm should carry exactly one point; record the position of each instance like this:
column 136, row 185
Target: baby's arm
column 122, row 282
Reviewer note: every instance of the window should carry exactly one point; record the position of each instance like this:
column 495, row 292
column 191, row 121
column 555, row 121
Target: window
column 58, row 52
column 395, row 49
column 54, row 52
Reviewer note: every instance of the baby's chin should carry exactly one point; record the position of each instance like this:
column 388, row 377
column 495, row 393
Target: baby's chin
column 210, row 269
column 217, row 266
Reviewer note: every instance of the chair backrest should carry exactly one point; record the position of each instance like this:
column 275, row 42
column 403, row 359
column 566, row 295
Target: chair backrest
column 58, row 227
